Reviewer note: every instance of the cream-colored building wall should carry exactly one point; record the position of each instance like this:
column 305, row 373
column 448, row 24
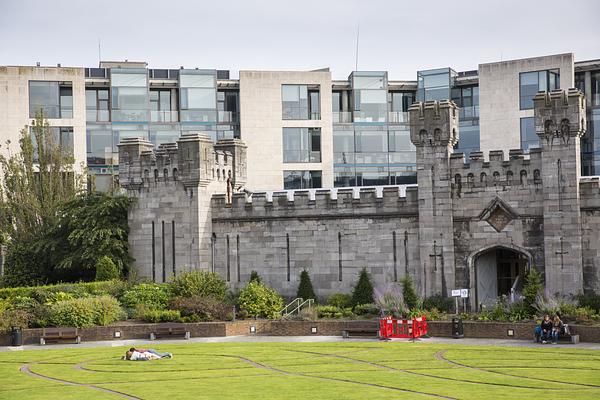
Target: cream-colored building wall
column 261, row 126
column 14, row 104
column 499, row 109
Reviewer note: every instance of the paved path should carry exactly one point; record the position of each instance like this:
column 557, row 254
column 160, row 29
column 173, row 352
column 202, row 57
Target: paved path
column 304, row 339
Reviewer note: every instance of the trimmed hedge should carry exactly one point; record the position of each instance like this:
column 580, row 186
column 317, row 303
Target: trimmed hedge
column 115, row 288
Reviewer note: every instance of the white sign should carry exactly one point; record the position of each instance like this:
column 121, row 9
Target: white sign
column 455, row 292
column 464, row 292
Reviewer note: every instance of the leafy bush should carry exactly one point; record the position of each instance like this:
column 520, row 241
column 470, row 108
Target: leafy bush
column 156, row 316
column 342, row 300
column 153, row 295
column 518, row 311
column 366, row 310
column 202, row 308
column 308, row 314
column 390, row 301
column 78, row 313
column 85, row 312
column 10, row 318
column 106, row 310
column 260, row 300
column 106, row 269
column 590, row 300
column 55, row 297
column 305, row 288
column 363, row 291
column 430, row 315
column 200, row 283
column 254, row 277
column 439, row 302
column 115, row 288
column 411, row 299
column 332, row 312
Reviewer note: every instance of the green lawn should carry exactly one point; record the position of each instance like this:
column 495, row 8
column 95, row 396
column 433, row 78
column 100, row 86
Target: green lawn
column 350, row 370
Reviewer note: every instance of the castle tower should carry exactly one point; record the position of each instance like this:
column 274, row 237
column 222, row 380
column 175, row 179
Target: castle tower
column 434, row 131
column 560, row 123
column 131, row 155
column 238, row 150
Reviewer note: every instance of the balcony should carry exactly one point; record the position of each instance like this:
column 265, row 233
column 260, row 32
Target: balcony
column 397, row 117
column 469, row 112
column 130, row 115
column 342, row 117
column 164, row 116
column 97, row 115
column 370, row 116
column 301, row 156
column 229, row 117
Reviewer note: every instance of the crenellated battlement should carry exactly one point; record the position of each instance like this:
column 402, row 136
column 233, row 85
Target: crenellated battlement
column 384, row 200
column 519, row 169
column 193, row 160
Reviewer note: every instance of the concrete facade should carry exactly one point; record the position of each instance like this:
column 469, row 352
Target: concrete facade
column 533, row 206
column 499, row 108
column 262, row 125
column 14, row 105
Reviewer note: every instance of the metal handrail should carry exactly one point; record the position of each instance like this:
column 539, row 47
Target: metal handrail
column 513, row 288
column 284, row 311
column 299, row 304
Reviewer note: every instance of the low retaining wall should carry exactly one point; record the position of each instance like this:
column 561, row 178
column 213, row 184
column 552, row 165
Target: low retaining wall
column 492, row 330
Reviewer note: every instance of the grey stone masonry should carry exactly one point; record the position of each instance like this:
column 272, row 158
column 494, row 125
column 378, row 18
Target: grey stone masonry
column 434, row 131
column 452, row 230
column 560, row 123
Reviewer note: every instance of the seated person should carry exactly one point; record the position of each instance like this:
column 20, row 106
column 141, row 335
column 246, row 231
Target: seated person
column 145, row 354
column 546, row 326
column 557, row 326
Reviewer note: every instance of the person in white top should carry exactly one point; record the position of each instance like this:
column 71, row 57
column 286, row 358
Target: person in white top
column 145, row 355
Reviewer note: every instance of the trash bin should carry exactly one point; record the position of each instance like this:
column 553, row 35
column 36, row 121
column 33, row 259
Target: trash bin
column 16, row 336
column 457, row 328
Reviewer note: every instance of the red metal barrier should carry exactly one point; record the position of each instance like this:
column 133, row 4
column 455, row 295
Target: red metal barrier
column 401, row 328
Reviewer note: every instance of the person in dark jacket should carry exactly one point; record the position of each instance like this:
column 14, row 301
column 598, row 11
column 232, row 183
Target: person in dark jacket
column 546, row 326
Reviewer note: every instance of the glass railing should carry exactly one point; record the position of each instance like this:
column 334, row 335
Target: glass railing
column 315, row 115
column 130, row 115
column 371, row 158
column 370, row 116
column 66, row 112
column 208, row 116
column 342, row 117
column 396, row 117
column 596, row 99
column 164, row 116
column 469, row 112
column 301, row 156
column 97, row 115
column 229, row 117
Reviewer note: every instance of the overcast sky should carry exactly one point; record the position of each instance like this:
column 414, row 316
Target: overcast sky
column 398, row 36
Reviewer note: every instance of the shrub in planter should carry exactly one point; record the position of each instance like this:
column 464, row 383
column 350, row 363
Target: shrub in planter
column 333, row 312
column 532, row 288
column 341, row 300
column 590, row 300
column 78, row 313
column 106, row 269
column 153, row 295
column 156, row 316
column 411, row 299
column 260, row 300
column 199, row 283
column 365, row 310
column 518, row 311
column 106, row 310
column 389, row 300
column 10, row 318
column 202, row 308
column 439, row 302
column 254, row 276
column 308, row 314
column 363, row 291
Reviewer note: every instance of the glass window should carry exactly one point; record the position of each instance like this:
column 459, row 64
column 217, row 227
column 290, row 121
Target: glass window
column 399, row 140
column 129, row 89
column 160, row 137
column 468, row 139
column 377, row 81
column 435, row 84
column 66, row 102
column 301, row 145
column 197, row 80
column 99, row 147
column 96, row 105
column 532, row 82
column 57, row 136
column 301, row 179
column 369, row 139
column 336, row 102
column 44, row 96
column 529, row 138
column 590, row 146
column 596, row 88
column 160, row 106
column 198, row 96
column 294, row 101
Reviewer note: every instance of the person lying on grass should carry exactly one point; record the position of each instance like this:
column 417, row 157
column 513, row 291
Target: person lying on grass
column 145, row 355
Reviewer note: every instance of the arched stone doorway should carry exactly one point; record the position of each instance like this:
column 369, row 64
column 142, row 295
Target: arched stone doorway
column 497, row 271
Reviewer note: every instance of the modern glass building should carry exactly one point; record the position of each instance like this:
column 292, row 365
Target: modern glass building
column 303, row 128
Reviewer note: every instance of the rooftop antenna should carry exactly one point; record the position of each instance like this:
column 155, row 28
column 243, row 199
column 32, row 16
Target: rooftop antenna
column 357, row 38
column 99, row 52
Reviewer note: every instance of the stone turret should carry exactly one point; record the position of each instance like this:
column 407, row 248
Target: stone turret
column 560, row 123
column 434, row 131
column 131, row 152
column 237, row 148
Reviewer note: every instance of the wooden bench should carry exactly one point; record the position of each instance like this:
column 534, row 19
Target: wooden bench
column 563, row 338
column 58, row 334
column 364, row 330
column 170, row 330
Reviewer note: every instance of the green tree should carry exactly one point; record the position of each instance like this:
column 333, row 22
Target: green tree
column 259, row 300
column 254, row 277
column 532, row 288
column 363, row 291
column 411, row 299
column 106, row 269
column 305, row 288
